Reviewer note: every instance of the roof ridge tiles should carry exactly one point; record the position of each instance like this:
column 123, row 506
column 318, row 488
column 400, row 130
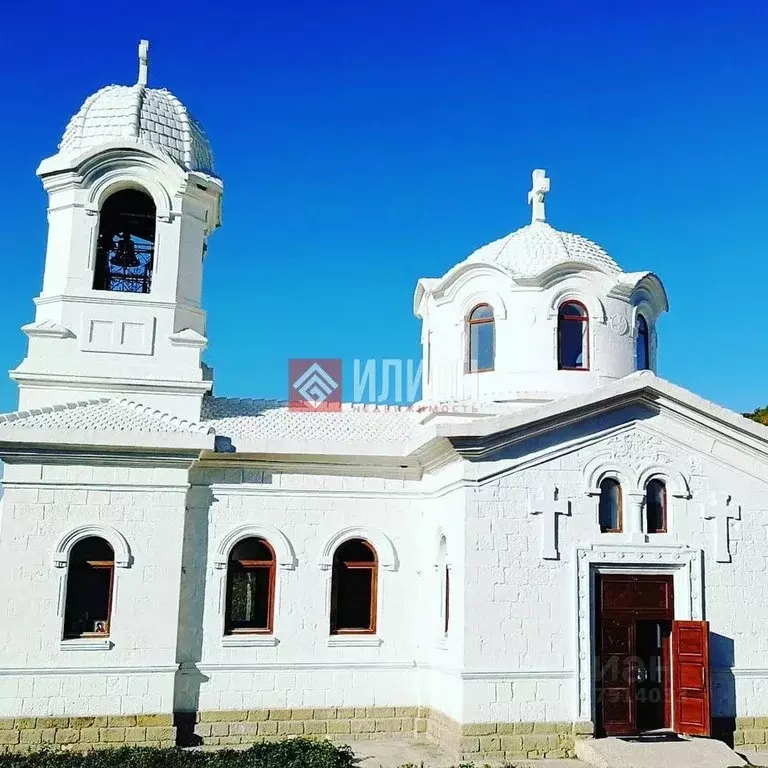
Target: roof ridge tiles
column 164, row 416
column 24, row 414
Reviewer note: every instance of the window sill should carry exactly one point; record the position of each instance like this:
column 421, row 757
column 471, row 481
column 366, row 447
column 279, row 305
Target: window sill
column 249, row 641
column 354, row 641
column 86, row 644
column 442, row 643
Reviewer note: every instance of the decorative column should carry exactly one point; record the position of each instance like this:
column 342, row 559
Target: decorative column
column 633, row 514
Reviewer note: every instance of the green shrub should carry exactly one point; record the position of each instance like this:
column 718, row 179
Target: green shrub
column 292, row 753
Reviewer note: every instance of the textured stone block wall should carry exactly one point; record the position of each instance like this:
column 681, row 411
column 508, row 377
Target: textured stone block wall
column 22, row 734
column 473, row 741
column 335, row 723
column 443, row 730
column 751, row 732
column 505, row 741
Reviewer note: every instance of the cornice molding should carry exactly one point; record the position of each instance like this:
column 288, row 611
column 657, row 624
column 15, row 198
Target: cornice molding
column 188, row 338
column 93, row 670
column 47, row 329
column 110, row 456
column 119, row 386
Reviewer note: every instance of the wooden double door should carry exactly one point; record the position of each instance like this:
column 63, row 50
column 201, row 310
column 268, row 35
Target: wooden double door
column 652, row 672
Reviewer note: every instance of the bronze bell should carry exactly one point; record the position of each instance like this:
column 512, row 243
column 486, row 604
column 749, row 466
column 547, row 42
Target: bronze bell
column 125, row 253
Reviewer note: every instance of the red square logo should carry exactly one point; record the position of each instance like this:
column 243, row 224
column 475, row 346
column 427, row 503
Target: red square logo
column 314, row 385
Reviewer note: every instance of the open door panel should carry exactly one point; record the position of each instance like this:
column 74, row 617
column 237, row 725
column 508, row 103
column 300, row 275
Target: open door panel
column 690, row 677
column 616, row 677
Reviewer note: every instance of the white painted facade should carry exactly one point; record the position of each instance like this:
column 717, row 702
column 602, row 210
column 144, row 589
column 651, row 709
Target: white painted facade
column 118, row 436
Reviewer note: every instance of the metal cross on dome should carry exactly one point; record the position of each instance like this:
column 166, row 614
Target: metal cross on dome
column 536, row 195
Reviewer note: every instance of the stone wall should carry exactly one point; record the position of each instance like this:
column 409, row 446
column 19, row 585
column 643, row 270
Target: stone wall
column 131, row 672
column 505, row 741
column 473, row 741
column 21, row 734
column 752, row 733
column 335, row 723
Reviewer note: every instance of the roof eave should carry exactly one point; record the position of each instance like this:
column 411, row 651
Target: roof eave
column 488, row 434
column 14, row 437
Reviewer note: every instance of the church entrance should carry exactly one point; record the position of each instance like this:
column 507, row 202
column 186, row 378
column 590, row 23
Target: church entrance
column 652, row 672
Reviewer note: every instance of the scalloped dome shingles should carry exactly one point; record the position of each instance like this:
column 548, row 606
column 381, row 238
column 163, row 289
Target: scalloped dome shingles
column 537, row 247
column 153, row 116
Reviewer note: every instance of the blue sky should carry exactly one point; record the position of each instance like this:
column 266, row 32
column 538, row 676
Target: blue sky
column 365, row 145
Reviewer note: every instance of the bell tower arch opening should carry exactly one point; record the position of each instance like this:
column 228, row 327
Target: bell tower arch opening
column 125, row 246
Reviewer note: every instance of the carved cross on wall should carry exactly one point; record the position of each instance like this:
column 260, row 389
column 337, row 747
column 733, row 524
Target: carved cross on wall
column 549, row 508
column 722, row 510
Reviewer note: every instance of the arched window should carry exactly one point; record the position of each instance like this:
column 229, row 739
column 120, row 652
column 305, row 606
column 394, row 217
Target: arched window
column 125, row 247
column 655, row 506
column 482, row 341
column 250, row 587
column 89, row 588
column 642, row 346
column 353, row 588
column 610, row 506
column 572, row 337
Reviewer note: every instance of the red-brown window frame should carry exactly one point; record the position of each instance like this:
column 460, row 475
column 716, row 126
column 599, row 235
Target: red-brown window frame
column 665, row 523
column 620, row 515
column 480, row 321
column 561, row 318
column 97, row 565
column 373, row 566
column 251, row 565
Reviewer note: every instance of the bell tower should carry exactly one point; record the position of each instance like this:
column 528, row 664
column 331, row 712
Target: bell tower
column 133, row 198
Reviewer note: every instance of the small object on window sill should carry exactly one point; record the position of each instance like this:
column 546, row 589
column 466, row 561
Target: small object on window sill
column 242, row 640
column 354, row 641
column 87, row 644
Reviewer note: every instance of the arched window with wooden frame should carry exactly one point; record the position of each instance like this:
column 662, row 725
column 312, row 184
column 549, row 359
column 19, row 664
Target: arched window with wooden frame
column 481, row 339
column 353, row 588
column 642, row 344
column 125, row 247
column 572, row 337
column 90, row 579
column 655, row 506
column 250, row 588
column 610, row 506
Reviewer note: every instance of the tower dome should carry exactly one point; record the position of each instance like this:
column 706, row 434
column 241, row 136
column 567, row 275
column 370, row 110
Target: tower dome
column 536, row 315
column 132, row 180
column 537, row 247
column 150, row 116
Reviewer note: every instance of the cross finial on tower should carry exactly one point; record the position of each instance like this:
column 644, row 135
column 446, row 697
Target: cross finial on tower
column 143, row 61
column 536, row 195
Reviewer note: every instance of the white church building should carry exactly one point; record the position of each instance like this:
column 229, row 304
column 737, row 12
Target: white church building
column 557, row 544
